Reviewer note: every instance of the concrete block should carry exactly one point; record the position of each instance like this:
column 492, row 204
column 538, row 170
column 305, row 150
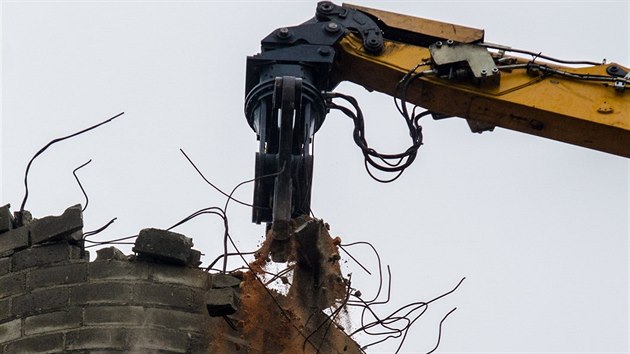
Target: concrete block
column 39, row 301
column 11, row 284
column 162, row 273
column 96, row 338
column 5, row 310
column 114, row 315
column 51, row 228
column 10, row 330
column 221, row 302
column 26, row 218
column 194, row 259
column 148, row 340
column 101, row 293
column 198, row 301
column 5, row 265
column 14, row 240
column 6, row 219
column 110, row 254
column 48, row 343
column 225, row 281
column 44, row 255
column 119, row 270
column 57, row 275
column 163, row 295
column 164, row 246
column 54, row 321
column 174, row 319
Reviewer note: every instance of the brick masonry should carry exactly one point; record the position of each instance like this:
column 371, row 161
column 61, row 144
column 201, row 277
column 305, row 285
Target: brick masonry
column 53, row 299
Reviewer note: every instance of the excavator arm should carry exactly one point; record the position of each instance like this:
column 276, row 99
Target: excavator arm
column 587, row 106
column 446, row 69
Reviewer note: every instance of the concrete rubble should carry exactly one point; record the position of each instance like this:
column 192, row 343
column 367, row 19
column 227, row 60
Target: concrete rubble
column 166, row 246
column 53, row 299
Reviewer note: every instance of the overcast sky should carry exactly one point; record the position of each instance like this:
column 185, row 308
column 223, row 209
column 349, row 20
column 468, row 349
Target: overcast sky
column 539, row 228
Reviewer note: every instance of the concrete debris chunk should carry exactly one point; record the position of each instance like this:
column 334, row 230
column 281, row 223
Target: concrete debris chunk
column 27, row 217
column 194, row 259
column 221, row 302
column 166, row 246
column 110, row 254
column 6, row 219
column 68, row 226
column 220, row 281
column 307, row 236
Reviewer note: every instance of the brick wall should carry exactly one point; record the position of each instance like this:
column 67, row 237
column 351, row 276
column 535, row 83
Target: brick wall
column 114, row 305
column 53, row 299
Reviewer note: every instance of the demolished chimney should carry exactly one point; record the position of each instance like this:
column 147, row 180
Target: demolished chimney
column 53, row 299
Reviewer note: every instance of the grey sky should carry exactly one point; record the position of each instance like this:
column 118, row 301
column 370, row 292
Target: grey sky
column 539, row 228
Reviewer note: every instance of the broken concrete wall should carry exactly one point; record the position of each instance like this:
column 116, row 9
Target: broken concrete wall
column 53, row 299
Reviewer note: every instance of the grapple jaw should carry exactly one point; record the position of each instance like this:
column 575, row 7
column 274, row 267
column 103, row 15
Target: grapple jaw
column 284, row 163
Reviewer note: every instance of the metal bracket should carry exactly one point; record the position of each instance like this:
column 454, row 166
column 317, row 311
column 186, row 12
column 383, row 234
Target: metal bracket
column 620, row 85
column 461, row 61
column 330, row 23
column 624, row 76
column 311, row 32
column 355, row 21
column 477, row 126
column 616, row 71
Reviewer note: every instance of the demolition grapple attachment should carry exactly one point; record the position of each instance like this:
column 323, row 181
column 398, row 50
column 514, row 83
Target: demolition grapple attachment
column 285, row 107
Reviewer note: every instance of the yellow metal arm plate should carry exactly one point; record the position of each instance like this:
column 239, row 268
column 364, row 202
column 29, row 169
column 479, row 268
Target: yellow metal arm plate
column 423, row 26
column 584, row 113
